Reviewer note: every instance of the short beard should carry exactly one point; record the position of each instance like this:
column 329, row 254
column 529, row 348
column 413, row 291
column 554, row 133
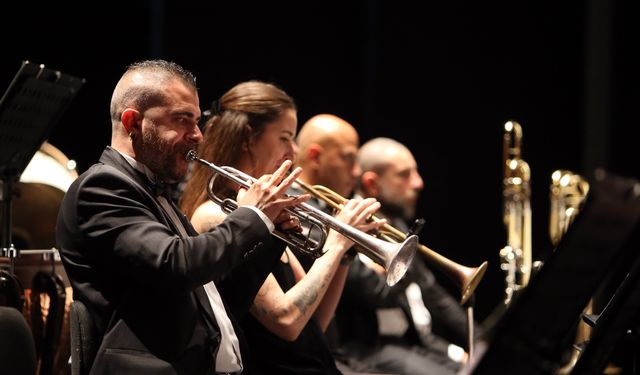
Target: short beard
column 159, row 157
column 393, row 209
column 394, row 206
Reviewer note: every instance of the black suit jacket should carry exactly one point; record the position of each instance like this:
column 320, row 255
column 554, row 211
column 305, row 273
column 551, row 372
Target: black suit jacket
column 142, row 281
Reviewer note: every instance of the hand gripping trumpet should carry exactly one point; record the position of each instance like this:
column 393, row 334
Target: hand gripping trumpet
column 466, row 278
column 394, row 257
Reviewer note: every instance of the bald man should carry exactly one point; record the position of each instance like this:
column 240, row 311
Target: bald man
column 410, row 328
column 327, row 149
column 136, row 262
column 389, row 171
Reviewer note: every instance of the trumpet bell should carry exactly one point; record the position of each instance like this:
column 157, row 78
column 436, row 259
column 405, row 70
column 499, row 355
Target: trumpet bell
column 399, row 259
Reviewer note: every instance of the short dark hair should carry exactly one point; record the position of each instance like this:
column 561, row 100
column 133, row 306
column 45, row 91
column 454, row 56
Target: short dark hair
column 150, row 93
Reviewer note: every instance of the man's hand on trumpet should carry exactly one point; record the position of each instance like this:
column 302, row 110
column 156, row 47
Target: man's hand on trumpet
column 268, row 195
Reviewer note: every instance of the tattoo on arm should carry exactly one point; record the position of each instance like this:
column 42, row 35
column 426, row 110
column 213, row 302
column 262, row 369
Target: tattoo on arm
column 261, row 311
column 306, row 298
column 261, row 295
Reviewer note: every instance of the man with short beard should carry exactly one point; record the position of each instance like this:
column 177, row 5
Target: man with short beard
column 145, row 275
column 415, row 326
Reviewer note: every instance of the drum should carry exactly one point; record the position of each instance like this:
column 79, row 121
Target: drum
column 48, row 294
column 41, row 188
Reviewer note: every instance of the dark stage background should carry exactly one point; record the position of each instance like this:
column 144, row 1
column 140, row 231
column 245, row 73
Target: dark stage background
column 442, row 77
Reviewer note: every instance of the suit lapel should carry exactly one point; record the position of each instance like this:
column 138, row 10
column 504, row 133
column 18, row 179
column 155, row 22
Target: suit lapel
column 183, row 219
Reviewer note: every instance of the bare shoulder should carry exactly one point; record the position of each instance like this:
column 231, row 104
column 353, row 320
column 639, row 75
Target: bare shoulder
column 207, row 216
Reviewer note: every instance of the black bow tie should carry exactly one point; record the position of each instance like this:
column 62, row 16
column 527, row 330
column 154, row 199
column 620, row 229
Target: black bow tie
column 160, row 188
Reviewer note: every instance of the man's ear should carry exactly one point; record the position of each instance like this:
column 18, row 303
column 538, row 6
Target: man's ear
column 131, row 120
column 369, row 184
column 313, row 153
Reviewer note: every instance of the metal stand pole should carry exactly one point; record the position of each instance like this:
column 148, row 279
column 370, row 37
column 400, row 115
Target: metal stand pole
column 470, row 325
column 6, row 247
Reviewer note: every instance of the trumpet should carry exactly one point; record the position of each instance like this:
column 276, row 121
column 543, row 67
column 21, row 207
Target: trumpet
column 466, row 278
column 394, row 257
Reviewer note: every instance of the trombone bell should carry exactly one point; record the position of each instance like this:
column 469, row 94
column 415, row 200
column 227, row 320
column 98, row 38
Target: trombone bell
column 471, row 280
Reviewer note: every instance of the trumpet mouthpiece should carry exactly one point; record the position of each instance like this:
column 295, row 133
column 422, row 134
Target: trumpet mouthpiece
column 191, row 155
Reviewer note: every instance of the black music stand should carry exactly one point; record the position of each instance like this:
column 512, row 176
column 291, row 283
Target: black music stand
column 620, row 317
column 29, row 109
column 537, row 328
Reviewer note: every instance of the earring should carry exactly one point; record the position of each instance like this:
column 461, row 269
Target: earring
column 131, row 136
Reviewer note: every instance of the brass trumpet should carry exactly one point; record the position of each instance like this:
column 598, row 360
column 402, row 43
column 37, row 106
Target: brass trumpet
column 466, row 278
column 394, row 257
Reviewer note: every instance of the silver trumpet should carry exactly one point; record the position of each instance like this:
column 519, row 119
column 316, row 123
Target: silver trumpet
column 394, row 257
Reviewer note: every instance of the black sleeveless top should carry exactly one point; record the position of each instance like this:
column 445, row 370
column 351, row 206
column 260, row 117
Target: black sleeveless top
column 309, row 354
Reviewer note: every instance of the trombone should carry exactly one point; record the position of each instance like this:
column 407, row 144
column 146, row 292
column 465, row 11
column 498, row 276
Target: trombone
column 466, row 278
column 393, row 256
column 516, row 257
